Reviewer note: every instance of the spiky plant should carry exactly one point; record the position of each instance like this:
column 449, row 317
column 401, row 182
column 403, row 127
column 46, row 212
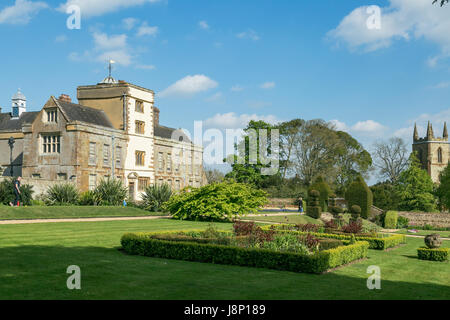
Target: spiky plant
column 111, row 192
column 155, row 196
column 65, row 194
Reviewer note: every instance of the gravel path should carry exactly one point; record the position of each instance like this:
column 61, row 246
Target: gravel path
column 3, row 222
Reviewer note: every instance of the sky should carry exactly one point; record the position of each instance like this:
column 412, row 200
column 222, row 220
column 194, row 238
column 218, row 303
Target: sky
column 372, row 71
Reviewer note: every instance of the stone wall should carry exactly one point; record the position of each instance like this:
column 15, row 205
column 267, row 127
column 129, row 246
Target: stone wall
column 420, row 219
column 39, row 186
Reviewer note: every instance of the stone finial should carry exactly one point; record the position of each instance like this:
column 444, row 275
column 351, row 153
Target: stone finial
column 445, row 135
column 430, row 133
column 416, row 133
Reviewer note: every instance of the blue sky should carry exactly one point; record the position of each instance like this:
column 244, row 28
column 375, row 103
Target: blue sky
column 226, row 62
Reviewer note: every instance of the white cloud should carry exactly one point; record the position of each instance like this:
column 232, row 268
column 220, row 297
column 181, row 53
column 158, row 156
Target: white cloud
column 268, row 85
column 249, row 34
column 61, row 38
column 204, row 25
column 146, row 30
column 340, row 126
column 237, row 88
column 189, row 85
column 233, row 121
column 217, row 97
column 368, row 127
column 401, row 19
column 442, row 85
column 21, row 12
column 91, row 8
column 129, row 23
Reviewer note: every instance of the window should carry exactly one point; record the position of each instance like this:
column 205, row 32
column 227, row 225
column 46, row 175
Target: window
column 140, row 158
column 36, row 176
column 143, row 183
column 169, row 182
column 92, row 182
column 440, row 155
column 140, row 127
column 118, row 157
column 177, row 184
column 92, row 154
column 52, row 115
column 51, row 144
column 161, row 161
column 160, row 182
column 169, row 162
column 62, row 176
column 139, row 106
column 106, row 155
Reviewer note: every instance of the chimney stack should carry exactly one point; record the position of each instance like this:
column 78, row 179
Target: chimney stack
column 65, row 98
column 155, row 117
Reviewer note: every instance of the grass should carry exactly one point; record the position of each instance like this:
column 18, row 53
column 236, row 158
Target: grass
column 444, row 234
column 41, row 212
column 34, row 259
column 295, row 219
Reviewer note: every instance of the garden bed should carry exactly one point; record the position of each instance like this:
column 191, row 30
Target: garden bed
column 376, row 242
column 229, row 249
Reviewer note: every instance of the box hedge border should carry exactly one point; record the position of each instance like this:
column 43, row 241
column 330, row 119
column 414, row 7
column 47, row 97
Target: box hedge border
column 375, row 243
column 441, row 254
column 142, row 244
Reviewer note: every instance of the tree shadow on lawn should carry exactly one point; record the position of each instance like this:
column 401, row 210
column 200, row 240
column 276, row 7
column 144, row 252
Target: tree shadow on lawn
column 40, row 272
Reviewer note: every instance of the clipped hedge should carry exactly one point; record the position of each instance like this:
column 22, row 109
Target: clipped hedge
column 374, row 243
column 391, row 220
column 143, row 244
column 358, row 193
column 441, row 254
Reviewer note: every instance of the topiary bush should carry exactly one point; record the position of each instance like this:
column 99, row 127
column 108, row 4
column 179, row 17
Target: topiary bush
column 358, row 193
column 65, row 194
column 391, row 220
column 433, row 241
column 155, row 196
column 219, row 201
column 324, row 190
column 433, row 254
column 356, row 213
column 314, row 209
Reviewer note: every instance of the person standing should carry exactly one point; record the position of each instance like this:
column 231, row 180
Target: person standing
column 300, row 205
column 17, row 192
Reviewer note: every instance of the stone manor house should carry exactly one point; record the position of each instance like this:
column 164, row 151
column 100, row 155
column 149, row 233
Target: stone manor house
column 113, row 131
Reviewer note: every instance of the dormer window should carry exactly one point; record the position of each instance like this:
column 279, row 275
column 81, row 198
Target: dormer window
column 51, row 115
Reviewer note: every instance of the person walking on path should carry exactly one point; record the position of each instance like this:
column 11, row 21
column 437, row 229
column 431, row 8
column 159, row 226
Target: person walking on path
column 300, row 205
column 17, row 192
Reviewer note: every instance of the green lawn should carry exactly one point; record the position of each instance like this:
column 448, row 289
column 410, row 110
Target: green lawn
column 34, row 259
column 295, row 219
column 41, row 212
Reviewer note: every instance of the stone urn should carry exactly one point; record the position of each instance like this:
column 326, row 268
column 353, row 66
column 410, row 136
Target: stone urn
column 433, row 241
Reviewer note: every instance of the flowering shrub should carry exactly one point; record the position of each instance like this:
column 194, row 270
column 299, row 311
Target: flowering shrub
column 353, row 227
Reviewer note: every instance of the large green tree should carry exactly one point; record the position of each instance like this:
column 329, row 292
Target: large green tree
column 443, row 191
column 414, row 188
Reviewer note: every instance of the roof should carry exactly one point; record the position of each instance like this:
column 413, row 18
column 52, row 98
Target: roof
column 7, row 124
column 18, row 96
column 76, row 112
column 166, row 132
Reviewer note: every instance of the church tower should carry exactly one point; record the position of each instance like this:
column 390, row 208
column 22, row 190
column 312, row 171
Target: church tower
column 433, row 152
column 19, row 104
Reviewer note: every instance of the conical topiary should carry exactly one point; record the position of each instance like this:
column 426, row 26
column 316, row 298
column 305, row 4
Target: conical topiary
column 313, row 209
column 325, row 192
column 358, row 193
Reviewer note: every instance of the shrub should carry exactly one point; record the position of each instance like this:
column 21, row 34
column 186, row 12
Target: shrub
column 390, row 220
column 356, row 212
column 433, row 254
column 65, row 194
column 142, row 244
column 402, row 222
column 324, row 190
column 155, row 196
column 111, row 192
column 89, row 198
column 353, row 227
column 358, row 193
column 314, row 209
column 7, row 192
column 220, row 201
column 433, row 241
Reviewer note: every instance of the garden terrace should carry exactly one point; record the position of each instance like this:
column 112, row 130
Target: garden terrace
column 228, row 250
